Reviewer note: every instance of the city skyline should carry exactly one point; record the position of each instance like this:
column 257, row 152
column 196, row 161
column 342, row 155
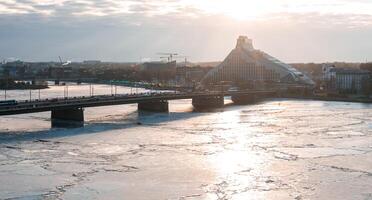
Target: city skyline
column 125, row 31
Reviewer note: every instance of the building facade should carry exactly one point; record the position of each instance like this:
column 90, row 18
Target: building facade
column 158, row 71
column 345, row 80
column 246, row 64
column 159, row 66
column 189, row 75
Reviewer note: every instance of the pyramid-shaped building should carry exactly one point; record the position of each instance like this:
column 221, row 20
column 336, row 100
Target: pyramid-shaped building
column 245, row 64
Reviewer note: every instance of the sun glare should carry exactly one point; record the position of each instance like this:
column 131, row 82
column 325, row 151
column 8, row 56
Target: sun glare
column 237, row 9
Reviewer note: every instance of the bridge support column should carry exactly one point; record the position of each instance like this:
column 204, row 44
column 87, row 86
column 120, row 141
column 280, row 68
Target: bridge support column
column 206, row 102
column 73, row 117
column 242, row 99
column 154, row 106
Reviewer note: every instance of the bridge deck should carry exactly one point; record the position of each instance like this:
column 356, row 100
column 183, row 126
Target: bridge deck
column 23, row 107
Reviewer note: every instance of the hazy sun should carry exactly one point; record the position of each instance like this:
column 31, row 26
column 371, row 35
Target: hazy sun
column 238, row 9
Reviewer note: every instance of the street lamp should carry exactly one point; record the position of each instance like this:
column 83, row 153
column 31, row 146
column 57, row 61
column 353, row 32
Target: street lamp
column 91, row 88
column 6, row 86
column 67, row 91
column 111, row 88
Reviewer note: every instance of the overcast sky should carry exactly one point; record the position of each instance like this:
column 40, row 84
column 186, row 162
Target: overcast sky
column 203, row 30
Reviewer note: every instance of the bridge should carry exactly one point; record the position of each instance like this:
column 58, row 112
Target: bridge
column 70, row 111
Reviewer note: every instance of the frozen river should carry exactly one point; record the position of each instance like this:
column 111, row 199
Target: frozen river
column 278, row 149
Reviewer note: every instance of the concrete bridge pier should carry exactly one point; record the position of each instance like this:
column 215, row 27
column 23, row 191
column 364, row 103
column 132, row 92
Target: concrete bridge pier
column 207, row 102
column 242, row 99
column 154, row 106
column 73, row 117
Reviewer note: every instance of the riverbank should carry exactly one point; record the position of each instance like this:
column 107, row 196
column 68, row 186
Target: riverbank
column 10, row 84
column 337, row 99
column 24, row 87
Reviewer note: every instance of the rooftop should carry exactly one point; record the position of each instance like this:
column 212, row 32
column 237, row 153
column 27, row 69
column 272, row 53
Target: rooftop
column 349, row 71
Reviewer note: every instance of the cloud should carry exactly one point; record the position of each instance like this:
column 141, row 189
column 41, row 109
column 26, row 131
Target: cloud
column 353, row 13
column 86, row 7
column 187, row 7
column 124, row 30
column 324, row 20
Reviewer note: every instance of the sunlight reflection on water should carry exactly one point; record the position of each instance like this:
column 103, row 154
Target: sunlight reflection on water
column 278, row 149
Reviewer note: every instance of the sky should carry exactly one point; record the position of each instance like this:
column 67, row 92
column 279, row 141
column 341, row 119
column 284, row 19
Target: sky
column 202, row 30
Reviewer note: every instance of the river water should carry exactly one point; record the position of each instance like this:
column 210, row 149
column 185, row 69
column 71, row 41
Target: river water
column 277, row 149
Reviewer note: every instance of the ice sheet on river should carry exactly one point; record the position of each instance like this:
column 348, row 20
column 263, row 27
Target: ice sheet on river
column 280, row 149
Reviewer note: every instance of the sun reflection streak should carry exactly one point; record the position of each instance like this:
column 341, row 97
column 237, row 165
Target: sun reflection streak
column 241, row 165
column 235, row 155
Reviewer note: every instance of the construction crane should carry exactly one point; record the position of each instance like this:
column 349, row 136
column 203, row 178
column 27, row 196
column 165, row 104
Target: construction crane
column 170, row 56
column 185, row 57
column 64, row 64
column 60, row 60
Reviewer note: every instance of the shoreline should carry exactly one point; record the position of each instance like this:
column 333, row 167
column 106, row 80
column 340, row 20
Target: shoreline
column 26, row 87
column 335, row 99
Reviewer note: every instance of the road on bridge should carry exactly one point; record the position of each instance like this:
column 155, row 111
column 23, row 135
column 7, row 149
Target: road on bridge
column 22, row 107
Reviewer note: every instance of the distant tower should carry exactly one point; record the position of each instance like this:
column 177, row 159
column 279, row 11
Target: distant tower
column 245, row 43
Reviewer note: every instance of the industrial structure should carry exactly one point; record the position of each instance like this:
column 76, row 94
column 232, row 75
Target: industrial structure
column 246, row 64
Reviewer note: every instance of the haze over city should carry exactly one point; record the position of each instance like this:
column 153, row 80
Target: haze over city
column 125, row 31
column 186, row 99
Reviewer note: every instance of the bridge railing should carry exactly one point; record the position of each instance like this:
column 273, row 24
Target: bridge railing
column 110, row 98
column 67, row 99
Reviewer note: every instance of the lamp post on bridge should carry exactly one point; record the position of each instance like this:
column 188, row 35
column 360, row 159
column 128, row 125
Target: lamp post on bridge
column 91, row 90
column 111, row 88
column 65, row 91
column 6, row 86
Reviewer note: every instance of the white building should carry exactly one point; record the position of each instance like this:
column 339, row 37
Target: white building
column 345, row 80
column 328, row 72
